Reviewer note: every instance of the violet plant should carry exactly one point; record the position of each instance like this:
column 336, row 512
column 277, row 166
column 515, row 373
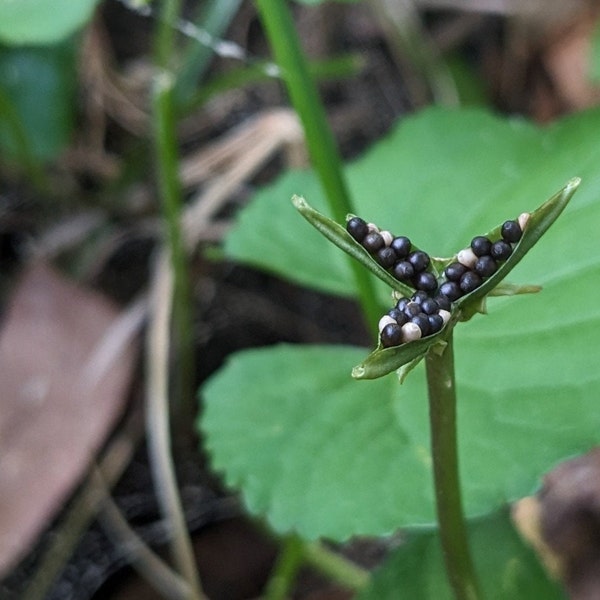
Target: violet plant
column 319, row 455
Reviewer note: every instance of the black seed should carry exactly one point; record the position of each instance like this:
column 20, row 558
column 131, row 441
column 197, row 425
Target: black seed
column 398, row 315
column 373, row 242
column 425, row 281
column 443, row 301
column 391, row 335
column 386, row 257
column 401, row 246
column 357, row 228
column 435, row 323
column 429, row 306
column 394, row 312
column 485, row 266
column 480, row 245
column 511, row 231
column 403, row 270
column 412, row 309
column 455, row 271
column 451, row 290
column 500, row 250
column 419, row 296
column 422, row 322
column 419, row 260
column 470, row 281
column 401, row 304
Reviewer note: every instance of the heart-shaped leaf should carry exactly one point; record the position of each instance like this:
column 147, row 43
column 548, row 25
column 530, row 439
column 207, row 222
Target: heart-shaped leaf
column 321, row 454
column 506, row 568
column 282, row 425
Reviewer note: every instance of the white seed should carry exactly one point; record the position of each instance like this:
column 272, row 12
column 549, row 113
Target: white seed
column 372, row 228
column 410, row 332
column 387, row 237
column 386, row 320
column 467, row 257
column 444, row 314
column 523, row 218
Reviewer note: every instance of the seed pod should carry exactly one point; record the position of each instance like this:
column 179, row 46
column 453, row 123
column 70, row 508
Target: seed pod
column 455, row 271
column 485, row 266
column 425, row 281
column 372, row 228
column 387, row 237
column 419, row 260
column 401, row 246
column 451, row 290
column 372, row 242
column 480, row 245
column 410, row 332
column 386, row 257
column 511, row 231
column 403, row 271
column 391, row 335
column 357, row 228
column 470, row 281
column 500, row 250
column 384, row 321
column 467, row 257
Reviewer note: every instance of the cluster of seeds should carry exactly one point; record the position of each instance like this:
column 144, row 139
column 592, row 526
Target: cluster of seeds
column 395, row 254
column 428, row 309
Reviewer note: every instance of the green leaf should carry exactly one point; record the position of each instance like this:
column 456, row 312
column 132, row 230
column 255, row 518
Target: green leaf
column 42, row 21
column 313, row 450
column 527, row 376
column 39, row 83
column 506, row 568
column 440, row 177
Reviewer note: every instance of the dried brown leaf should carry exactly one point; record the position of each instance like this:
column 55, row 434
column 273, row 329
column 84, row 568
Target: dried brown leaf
column 65, row 365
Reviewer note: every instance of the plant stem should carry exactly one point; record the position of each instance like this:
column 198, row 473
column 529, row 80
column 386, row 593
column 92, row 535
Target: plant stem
column 283, row 38
column 442, row 416
column 172, row 200
column 340, row 569
column 157, row 427
column 284, row 572
column 296, row 552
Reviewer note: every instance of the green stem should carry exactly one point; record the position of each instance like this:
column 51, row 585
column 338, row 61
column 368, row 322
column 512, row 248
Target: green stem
column 165, row 139
column 279, row 26
column 442, row 415
column 285, row 570
column 336, row 566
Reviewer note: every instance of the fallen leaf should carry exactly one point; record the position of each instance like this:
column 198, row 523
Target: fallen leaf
column 65, row 364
